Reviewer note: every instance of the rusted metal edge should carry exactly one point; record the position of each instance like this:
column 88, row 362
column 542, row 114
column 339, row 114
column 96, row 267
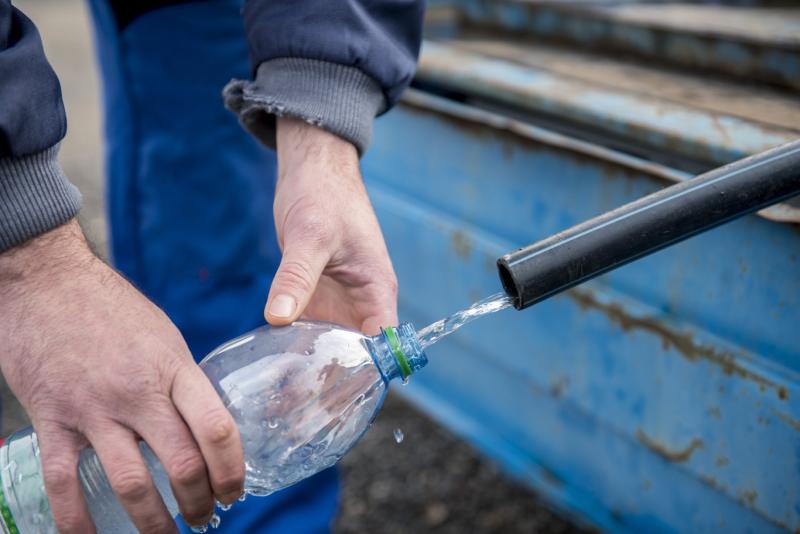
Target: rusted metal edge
column 615, row 12
column 650, row 122
column 782, row 213
column 600, row 26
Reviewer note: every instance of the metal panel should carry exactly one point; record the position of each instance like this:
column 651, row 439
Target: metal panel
column 664, row 125
column 751, row 43
column 664, row 396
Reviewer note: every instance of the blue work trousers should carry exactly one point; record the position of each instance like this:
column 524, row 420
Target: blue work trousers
column 190, row 200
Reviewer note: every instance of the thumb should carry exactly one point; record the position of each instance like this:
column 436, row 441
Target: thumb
column 293, row 285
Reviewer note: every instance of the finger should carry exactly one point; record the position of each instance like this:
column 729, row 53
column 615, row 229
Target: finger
column 372, row 325
column 60, row 454
column 173, row 444
column 214, row 431
column 383, row 307
column 295, row 281
column 118, row 451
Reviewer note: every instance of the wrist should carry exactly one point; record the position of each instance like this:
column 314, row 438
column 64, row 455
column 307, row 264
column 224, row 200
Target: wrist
column 300, row 144
column 46, row 258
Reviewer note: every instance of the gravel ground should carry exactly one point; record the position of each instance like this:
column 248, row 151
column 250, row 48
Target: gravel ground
column 431, row 482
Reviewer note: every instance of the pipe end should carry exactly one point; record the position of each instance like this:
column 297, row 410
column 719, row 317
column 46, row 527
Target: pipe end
column 509, row 284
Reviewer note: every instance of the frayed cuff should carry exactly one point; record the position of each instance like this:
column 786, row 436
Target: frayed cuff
column 337, row 98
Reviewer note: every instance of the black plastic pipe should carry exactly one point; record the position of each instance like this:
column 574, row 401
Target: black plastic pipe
column 538, row 271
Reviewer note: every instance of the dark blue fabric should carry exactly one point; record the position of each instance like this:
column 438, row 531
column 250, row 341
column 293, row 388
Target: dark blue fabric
column 190, row 197
column 379, row 37
column 32, row 115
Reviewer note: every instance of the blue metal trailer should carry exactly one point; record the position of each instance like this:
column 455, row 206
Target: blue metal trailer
column 664, row 396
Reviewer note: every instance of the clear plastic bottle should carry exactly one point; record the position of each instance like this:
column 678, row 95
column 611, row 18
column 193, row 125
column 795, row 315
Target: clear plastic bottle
column 301, row 395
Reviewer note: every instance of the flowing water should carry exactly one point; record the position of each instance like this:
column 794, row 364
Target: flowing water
column 436, row 331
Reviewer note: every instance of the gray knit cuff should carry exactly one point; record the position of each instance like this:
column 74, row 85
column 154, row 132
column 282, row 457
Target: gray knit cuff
column 338, row 98
column 35, row 196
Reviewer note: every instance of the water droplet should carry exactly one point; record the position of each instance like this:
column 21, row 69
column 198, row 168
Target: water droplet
column 361, row 400
column 200, row 530
column 398, row 435
column 405, row 381
column 215, row 521
column 243, row 497
column 273, row 422
column 224, row 507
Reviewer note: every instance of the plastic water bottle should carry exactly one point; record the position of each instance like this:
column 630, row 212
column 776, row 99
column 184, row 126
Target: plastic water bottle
column 302, row 396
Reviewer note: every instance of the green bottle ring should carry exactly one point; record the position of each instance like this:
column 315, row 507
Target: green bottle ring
column 394, row 344
column 5, row 511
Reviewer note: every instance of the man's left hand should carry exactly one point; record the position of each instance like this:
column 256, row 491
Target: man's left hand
column 335, row 265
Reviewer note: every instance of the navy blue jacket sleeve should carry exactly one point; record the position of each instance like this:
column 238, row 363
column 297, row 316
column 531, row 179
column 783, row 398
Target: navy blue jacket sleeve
column 35, row 196
column 379, row 37
column 32, row 115
column 333, row 63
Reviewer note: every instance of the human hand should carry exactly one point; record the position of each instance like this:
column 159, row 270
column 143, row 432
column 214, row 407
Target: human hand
column 335, row 265
column 94, row 363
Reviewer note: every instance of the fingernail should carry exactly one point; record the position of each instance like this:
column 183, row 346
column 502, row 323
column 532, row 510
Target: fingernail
column 282, row 306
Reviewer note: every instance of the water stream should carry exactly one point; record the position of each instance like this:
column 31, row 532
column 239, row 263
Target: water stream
column 436, row 331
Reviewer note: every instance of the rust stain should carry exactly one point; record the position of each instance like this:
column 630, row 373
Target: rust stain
column 713, row 482
column 681, row 342
column 461, row 244
column 722, row 461
column 788, row 420
column 748, row 497
column 748, row 501
column 558, row 386
column 672, row 455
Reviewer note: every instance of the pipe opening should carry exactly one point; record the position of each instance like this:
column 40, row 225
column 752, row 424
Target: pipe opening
column 508, row 282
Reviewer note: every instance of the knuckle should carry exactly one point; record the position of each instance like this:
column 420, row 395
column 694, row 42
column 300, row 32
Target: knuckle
column 132, row 483
column 220, row 428
column 59, row 476
column 392, row 286
column 188, row 469
column 296, row 274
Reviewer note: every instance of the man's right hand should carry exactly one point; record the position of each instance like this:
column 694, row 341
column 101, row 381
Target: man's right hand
column 94, row 363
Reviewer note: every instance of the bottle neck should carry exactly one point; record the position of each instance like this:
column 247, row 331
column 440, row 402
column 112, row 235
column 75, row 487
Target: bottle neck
column 397, row 352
